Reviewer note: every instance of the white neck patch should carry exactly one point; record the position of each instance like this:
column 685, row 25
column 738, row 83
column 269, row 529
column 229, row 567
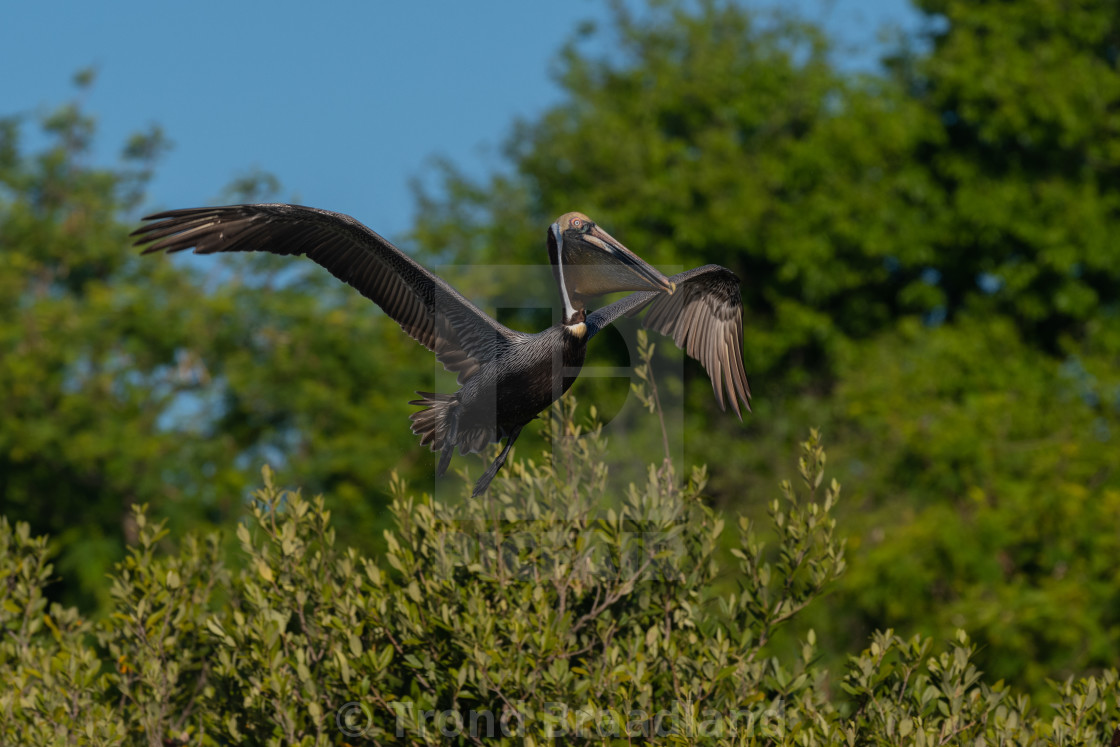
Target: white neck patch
column 568, row 310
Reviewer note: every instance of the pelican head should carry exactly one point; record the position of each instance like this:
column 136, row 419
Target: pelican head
column 587, row 262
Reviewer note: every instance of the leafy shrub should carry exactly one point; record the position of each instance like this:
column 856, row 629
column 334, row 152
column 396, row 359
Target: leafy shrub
column 544, row 609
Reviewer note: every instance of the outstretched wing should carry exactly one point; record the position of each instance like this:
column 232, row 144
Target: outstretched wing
column 704, row 316
column 427, row 308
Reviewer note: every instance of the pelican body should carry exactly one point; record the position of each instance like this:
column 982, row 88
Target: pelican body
column 532, row 372
column 506, row 377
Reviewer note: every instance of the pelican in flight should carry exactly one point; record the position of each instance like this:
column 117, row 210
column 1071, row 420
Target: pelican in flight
column 505, row 377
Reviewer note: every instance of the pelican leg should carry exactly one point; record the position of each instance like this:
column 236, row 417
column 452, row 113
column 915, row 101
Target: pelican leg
column 484, row 481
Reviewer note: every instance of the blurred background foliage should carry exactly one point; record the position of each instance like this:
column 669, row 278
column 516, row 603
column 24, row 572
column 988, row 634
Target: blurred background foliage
column 929, row 269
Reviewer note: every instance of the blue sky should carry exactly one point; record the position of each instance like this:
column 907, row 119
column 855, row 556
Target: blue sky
column 344, row 102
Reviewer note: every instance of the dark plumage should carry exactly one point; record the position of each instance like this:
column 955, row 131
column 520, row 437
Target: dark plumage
column 704, row 316
column 506, row 377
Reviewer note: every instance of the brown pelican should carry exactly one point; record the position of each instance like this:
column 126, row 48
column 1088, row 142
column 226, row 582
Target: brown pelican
column 506, row 377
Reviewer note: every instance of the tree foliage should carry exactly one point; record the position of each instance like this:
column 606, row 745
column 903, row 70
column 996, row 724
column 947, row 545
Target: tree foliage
column 983, row 502
column 1027, row 160
column 526, row 616
column 928, row 270
column 126, row 379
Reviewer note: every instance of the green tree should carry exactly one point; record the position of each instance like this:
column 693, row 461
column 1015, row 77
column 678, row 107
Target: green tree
column 928, row 270
column 988, row 475
column 988, row 442
column 126, row 379
column 524, row 616
column 86, row 371
column 1026, row 160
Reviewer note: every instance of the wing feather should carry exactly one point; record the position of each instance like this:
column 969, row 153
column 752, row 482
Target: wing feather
column 704, row 316
column 424, row 305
